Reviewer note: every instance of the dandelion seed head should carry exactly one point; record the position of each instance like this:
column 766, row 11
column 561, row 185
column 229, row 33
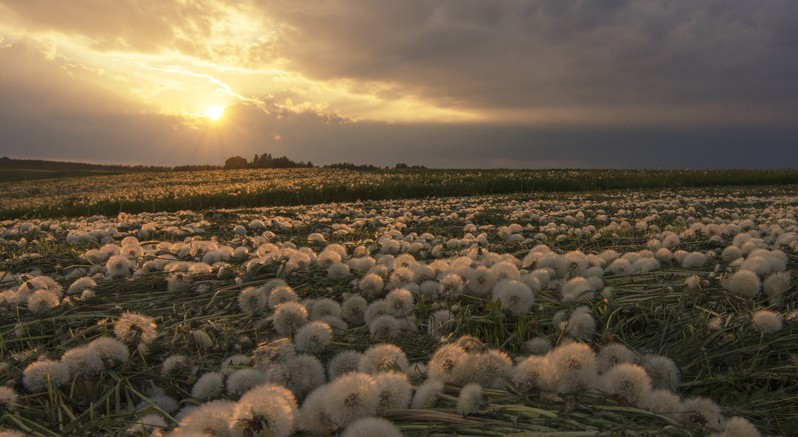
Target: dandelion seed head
column 665, row 402
column 133, row 328
column 489, row 369
column 278, row 351
column 776, row 284
column 400, row 301
column 81, row 284
column 767, row 321
column 376, row 309
column 451, row 284
column 325, row 307
column 382, row 358
column 362, row 263
column 350, row 397
column 8, row 399
column 208, row 419
column 628, row 382
column 209, row 386
column 581, row 325
column 613, row 354
column 343, row 362
column 731, row 253
column 313, row 338
column 469, row 400
column 663, row 371
column 427, row 394
column 176, row 364
column 37, row 375
column 744, row 283
column 694, row 259
column 289, row 317
column 83, row 361
column 253, row 299
column 281, row 294
column 448, row 362
column 267, row 410
column 619, row 266
column 371, row 426
column 201, row 339
column 304, row 374
column 533, row 373
column 574, row 367
column 402, row 275
column 516, row 297
column 119, row 266
column 393, row 391
column 537, row 346
column 701, row 413
column 149, row 423
column 234, row 362
column 111, row 350
column 384, row 326
column 353, row 309
column 338, row 270
column 738, row 427
column 242, row 380
column 43, row 300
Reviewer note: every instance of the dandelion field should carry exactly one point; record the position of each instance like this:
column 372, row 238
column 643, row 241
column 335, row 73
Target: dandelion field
column 572, row 314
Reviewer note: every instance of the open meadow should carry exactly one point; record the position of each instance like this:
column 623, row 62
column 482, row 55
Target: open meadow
column 612, row 307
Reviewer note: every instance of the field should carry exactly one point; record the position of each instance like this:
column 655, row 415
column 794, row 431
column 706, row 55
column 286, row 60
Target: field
column 200, row 190
column 602, row 307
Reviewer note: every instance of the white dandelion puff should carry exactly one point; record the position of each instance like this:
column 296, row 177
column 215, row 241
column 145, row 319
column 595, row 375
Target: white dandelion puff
column 470, row 399
column 613, row 354
column 393, row 391
column 767, row 321
column 516, row 297
column 313, row 338
column 209, row 386
column 628, row 382
column 427, row 395
column 663, row 371
column 533, row 373
column 744, row 282
column 289, row 317
column 351, row 397
column 371, row 426
column 343, row 362
column 111, row 350
column 267, row 410
column 38, row 375
column 383, row 358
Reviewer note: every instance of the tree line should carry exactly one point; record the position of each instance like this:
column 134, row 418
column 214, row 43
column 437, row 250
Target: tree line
column 266, row 160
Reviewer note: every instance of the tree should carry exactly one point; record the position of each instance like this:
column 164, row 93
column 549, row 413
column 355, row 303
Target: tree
column 235, row 162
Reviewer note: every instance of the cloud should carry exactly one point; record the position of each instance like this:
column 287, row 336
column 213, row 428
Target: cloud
column 460, row 83
column 551, row 54
column 205, row 29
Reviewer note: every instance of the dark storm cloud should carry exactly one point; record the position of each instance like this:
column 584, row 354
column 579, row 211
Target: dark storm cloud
column 499, row 54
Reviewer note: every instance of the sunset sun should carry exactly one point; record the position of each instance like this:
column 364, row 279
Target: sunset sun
column 215, row 112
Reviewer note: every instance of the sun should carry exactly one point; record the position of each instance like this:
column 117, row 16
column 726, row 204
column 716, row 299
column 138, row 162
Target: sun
column 215, row 112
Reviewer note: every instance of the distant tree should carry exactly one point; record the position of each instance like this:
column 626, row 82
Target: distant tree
column 235, row 162
column 401, row 165
column 266, row 160
column 350, row 166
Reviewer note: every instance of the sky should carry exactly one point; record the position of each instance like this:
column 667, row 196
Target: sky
column 454, row 84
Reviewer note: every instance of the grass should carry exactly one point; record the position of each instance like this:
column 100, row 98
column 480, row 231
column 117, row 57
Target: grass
column 142, row 192
column 748, row 373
